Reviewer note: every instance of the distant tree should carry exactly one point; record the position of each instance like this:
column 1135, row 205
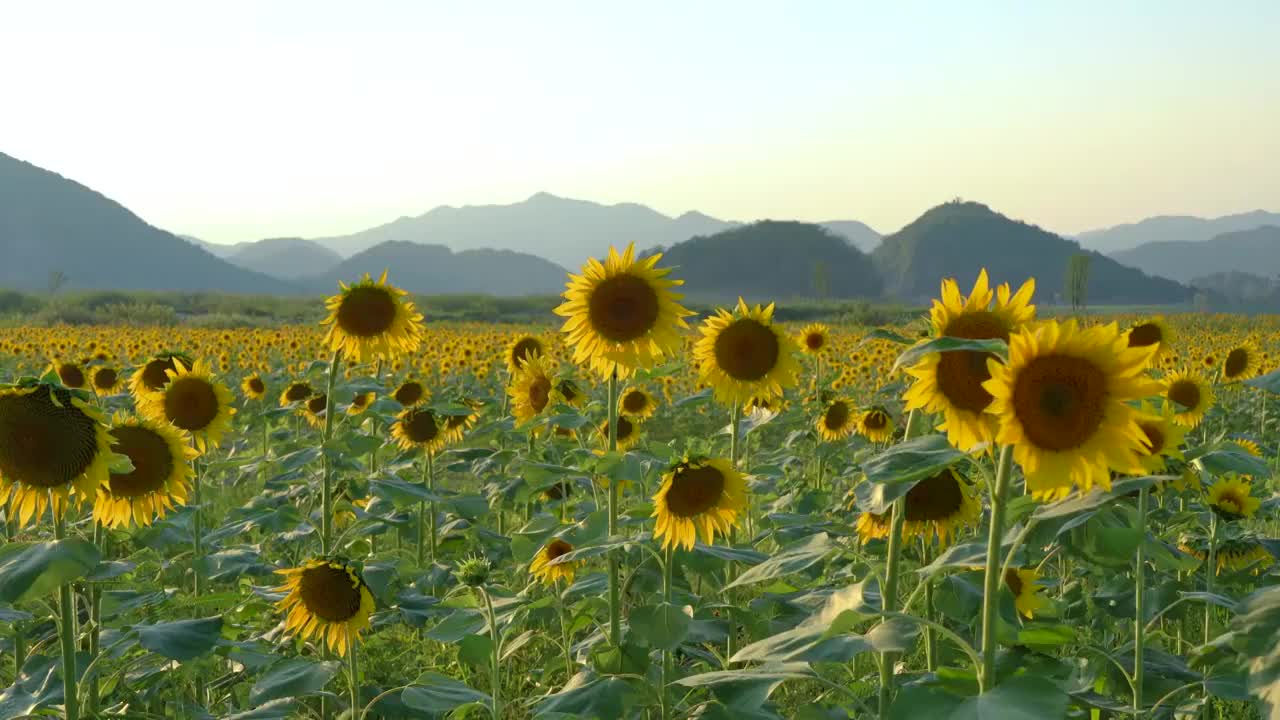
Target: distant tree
column 57, row 279
column 1078, row 281
column 821, row 281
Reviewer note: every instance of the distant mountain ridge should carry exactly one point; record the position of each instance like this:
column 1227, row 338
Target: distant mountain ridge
column 1255, row 251
column 437, row 270
column 1171, row 228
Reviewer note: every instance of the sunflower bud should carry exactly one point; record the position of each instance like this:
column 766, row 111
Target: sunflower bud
column 474, row 571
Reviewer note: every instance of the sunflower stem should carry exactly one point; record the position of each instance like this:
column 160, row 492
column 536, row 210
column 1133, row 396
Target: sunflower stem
column 992, row 579
column 615, row 596
column 197, row 546
column 353, row 668
column 326, row 486
column 1139, row 602
column 893, row 563
column 565, row 639
column 66, row 626
column 1210, row 568
column 495, row 666
column 427, row 512
column 95, row 617
column 930, row 614
column 19, row 649
column 668, row 569
column 729, row 570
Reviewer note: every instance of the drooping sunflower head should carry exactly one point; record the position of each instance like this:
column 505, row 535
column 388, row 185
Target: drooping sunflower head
column 532, row 390
column 941, row 504
column 520, row 348
column 699, row 498
column 743, row 354
column 542, row 567
column 314, row 410
column 161, row 455
column 837, row 421
column 629, row 433
column 360, row 402
column 105, row 380
column 456, row 426
column 1163, row 437
column 1231, row 497
column 411, row 393
column 370, row 320
column 1062, row 403
column 1152, row 332
column 637, row 403
column 814, row 338
column 327, row 601
column 1190, row 395
column 51, row 443
column 876, row 424
column 951, row 383
column 194, row 402
column 418, row 427
column 621, row 314
column 1240, row 364
column 253, row 387
column 296, row 392
column 570, row 393
column 1024, row 584
column 1247, row 445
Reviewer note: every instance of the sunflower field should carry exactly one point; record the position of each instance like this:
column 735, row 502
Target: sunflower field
column 986, row 513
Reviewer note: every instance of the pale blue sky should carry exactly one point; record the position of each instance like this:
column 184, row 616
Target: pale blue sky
column 239, row 120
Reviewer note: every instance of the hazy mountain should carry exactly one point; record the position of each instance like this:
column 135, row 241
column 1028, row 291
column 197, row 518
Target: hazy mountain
column 958, row 239
column 217, row 249
column 437, row 270
column 771, row 260
column 1171, row 228
column 1255, row 251
column 858, row 233
column 286, row 258
column 49, row 223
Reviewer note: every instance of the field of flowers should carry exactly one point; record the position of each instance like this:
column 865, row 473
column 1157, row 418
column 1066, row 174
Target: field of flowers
column 637, row 513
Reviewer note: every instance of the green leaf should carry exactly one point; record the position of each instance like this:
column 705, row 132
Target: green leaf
column 663, row 626
column 892, row 473
column 293, row 677
column 29, row 570
column 776, row 672
column 790, row 559
column 883, row 334
column 917, row 352
column 435, row 693
column 182, row 639
column 401, row 493
column 588, row 697
column 1269, row 382
column 457, row 625
column 1257, row 637
column 1077, row 503
column 1027, row 697
column 1231, row 458
column 281, row 709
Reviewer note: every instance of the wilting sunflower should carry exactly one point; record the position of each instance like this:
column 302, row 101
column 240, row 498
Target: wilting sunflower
column 1239, row 364
column 314, row 410
column 814, row 338
column 161, row 477
column 520, row 348
column 742, row 354
column 456, row 426
column 570, row 393
column 542, row 569
column 699, row 497
column 105, row 380
column 1024, row 584
column 637, row 403
column 876, row 424
column 296, row 392
column 628, row 433
column 253, row 387
column 361, row 402
column 327, row 600
column 50, row 442
column 837, row 421
column 621, row 314
column 411, row 393
column 418, row 427
column 532, row 390
column 939, row 505
column 370, row 320
column 71, row 374
column 951, row 383
column 1164, row 437
column 154, row 375
column 1233, row 554
column 1190, row 395
column 1152, row 332
column 1062, row 402
column 193, row 401
column 1231, row 497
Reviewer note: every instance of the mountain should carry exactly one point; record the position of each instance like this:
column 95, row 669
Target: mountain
column 286, row 258
column 437, row 270
column 772, row 260
column 1255, row 251
column 562, row 230
column 1171, row 228
column 49, row 224
column 958, row 239
column 858, row 233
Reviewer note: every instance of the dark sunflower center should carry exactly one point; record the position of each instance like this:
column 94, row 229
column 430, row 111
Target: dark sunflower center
column 41, row 444
column 694, row 490
column 625, row 428
column 421, row 426
column 814, row 341
column 366, row 311
column 318, row 404
column 523, row 349
column 876, row 420
column 1237, row 361
column 257, row 386
column 155, row 374
column 360, row 400
column 539, row 394
column 71, row 375
column 1155, row 438
column 329, row 593
column 634, row 402
column 104, row 378
column 1060, row 401
column 836, row 416
column 557, row 491
column 556, row 548
column 568, row 390
column 190, row 403
column 297, row 392
column 409, row 393
column 935, row 498
column 151, row 457
column 962, row 372
column 1144, row 335
column 747, row 350
column 623, row 308
column 1014, row 582
column 1185, row 393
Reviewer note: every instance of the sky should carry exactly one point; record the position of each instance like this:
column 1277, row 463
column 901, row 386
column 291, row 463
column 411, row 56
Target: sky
column 236, row 120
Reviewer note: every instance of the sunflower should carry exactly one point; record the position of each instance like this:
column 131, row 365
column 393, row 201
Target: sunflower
column 628, row 433
column 876, row 425
column 51, row 442
column 1164, row 438
column 637, row 403
column 1152, row 332
column 361, row 402
column 1190, row 395
column 70, row 374
column 837, row 421
column 418, row 427
column 1024, row 584
column 1247, row 445
column 105, row 380
column 1231, row 498
column 520, row 348
column 253, row 387
column 814, row 338
column 370, row 320
column 1062, row 402
column 951, row 383
column 314, row 410
column 295, row 393
column 699, row 497
column 542, row 569
column 161, row 477
column 939, row 505
column 532, row 390
column 1232, row 555
column 742, row 354
column 570, row 393
column 1239, row 364
column 456, row 426
column 411, row 393
column 193, row 401
column 327, row 600
column 621, row 314
column 154, row 375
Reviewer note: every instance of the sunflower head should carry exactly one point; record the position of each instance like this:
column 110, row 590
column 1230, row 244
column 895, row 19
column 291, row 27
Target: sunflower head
column 621, row 314
column 361, row 402
column 1190, row 395
column 628, row 433
column 570, row 393
column 699, row 498
column 474, row 571
column 532, row 389
column 161, row 456
column 295, row 393
column 1231, row 497
column 105, row 380
column 743, row 354
column 154, row 375
column 636, row 402
column 1024, row 584
column 327, row 600
column 1239, row 364
column 837, row 421
column 940, row 504
column 314, row 410
column 411, row 393
column 70, row 373
column 876, row 424
column 370, row 320
column 194, row 402
column 814, row 338
column 522, row 347
column 418, row 427
column 542, row 567
column 253, row 387
column 1153, row 332
column 1163, row 437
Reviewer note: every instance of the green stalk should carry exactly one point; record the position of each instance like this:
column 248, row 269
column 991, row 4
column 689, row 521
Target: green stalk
column 1139, row 601
column 19, row 649
column 615, row 595
column 353, row 668
column 930, row 614
column 564, row 638
column 495, row 667
column 427, row 521
column 197, row 544
column 669, row 561
column 892, row 570
column 66, row 626
column 95, row 618
column 326, row 487
column 730, row 570
column 992, row 579
column 1210, row 568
